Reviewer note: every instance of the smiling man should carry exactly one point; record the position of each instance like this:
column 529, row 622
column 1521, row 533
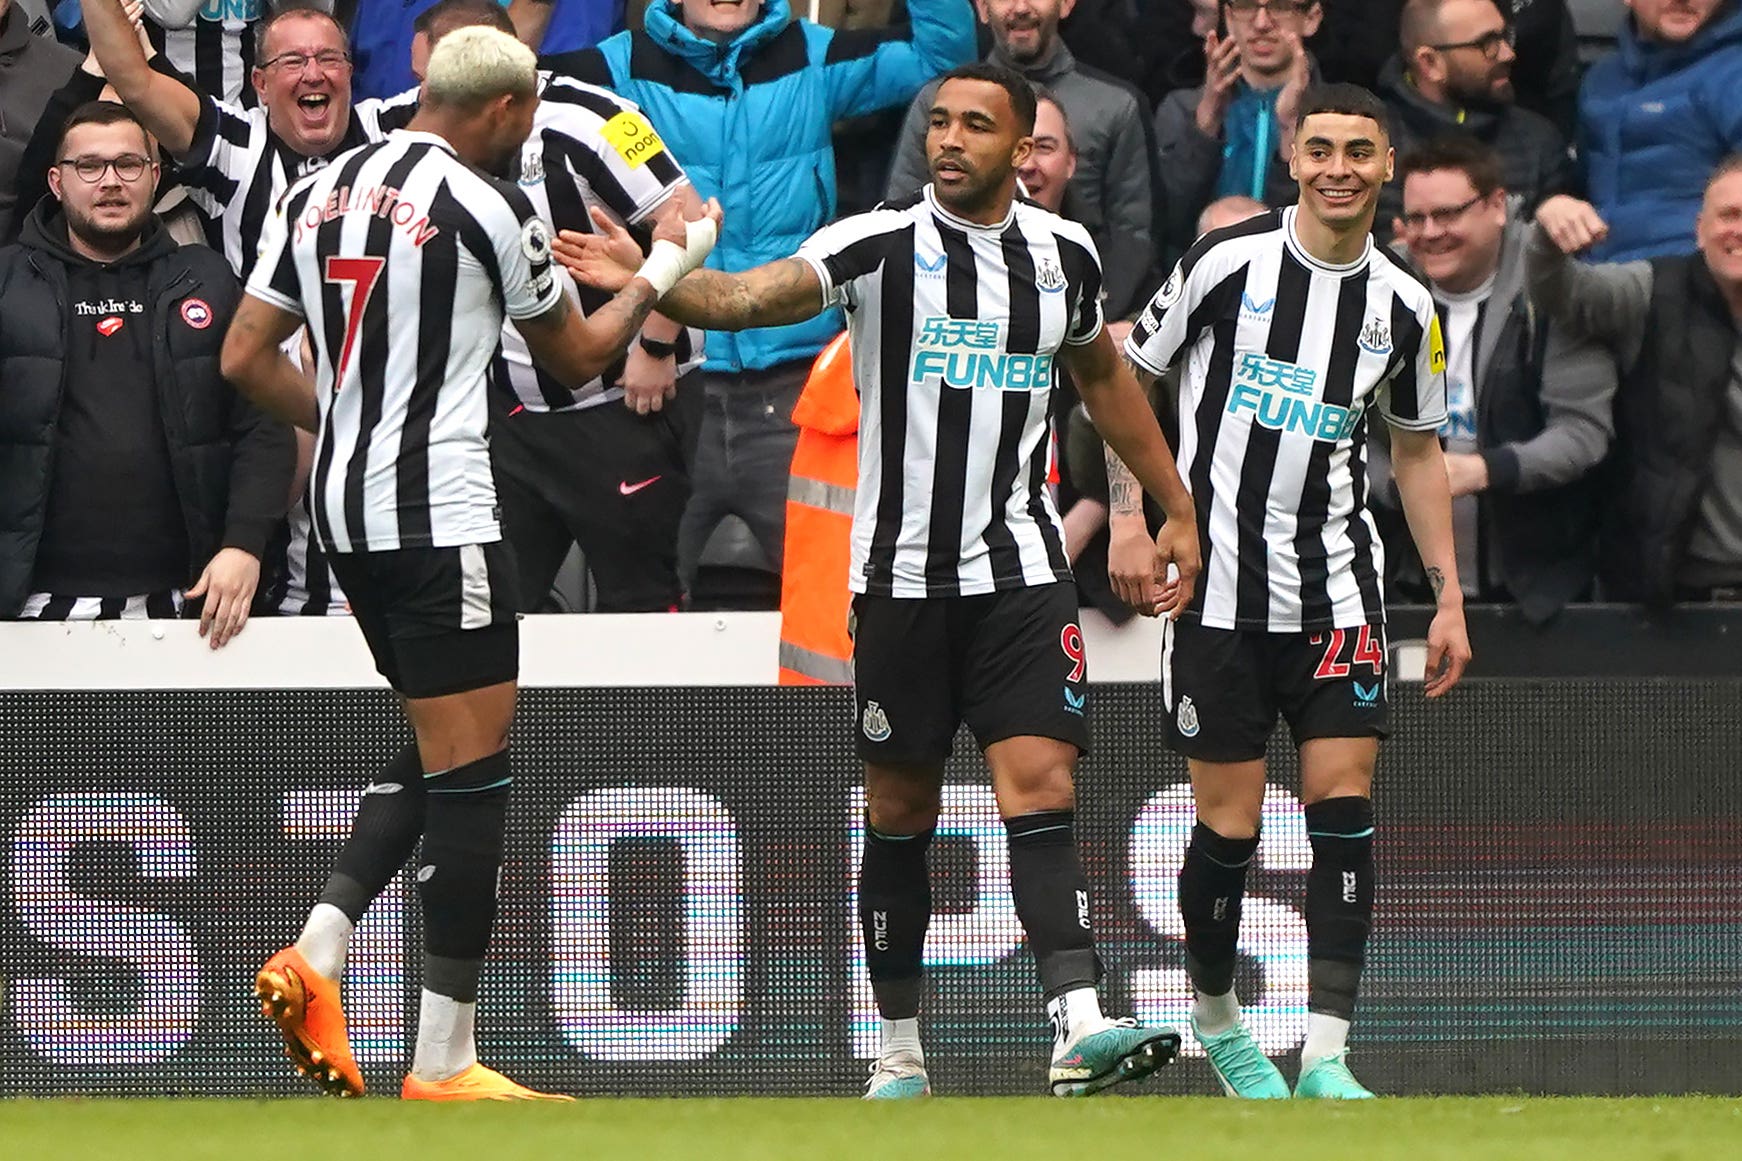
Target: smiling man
column 1528, row 404
column 1294, row 327
column 960, row 299
column 238, row 161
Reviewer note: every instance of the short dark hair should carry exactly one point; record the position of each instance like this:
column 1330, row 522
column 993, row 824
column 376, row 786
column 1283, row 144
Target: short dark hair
column 444, row 16
column 1013, row 83
column 97, row 113
column 1349, row 100
column 297, row 8
column 1042, row 93
column 1459, row 151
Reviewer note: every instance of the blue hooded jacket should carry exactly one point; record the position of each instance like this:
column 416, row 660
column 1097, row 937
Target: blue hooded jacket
column 750, row 121
column 1654, row 120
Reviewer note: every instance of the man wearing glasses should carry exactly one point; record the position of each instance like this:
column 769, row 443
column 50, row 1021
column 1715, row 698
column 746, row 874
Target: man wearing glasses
column 1453, row 74
column 238, row 161
column 1527, row 403
column 1231, row 138
column 132, row 474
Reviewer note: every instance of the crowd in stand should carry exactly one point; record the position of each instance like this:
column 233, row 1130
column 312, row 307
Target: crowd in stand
column 1567, row 183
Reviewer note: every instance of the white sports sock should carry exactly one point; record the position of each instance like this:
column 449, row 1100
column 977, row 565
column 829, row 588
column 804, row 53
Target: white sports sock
column 902, row 1036
column 1073, row 1013
column 1326, row 1036
column 326, row 940
column 1215, row 1014
column 446, row 1037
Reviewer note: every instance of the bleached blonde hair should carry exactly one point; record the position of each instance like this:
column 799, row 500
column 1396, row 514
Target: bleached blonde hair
column 470, row 66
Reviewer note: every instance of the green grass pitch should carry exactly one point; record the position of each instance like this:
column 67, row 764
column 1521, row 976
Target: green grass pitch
column 1159, row 1128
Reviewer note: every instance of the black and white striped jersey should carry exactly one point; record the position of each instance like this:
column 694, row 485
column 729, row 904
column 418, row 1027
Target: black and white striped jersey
column 955, row 327
column 237, row 168
column 590, row 148
column 1284, row 357
column 404, row 260
column 302, row 582
column 215, row 47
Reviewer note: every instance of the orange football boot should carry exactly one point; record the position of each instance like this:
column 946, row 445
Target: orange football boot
column 305, row 1006
column 476, row 1083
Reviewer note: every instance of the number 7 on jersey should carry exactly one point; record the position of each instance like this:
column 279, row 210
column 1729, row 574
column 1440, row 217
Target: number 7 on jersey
column 361, row 274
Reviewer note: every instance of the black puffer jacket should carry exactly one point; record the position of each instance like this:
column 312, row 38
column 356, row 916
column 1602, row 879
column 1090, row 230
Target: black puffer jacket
column 1534, row 162
column 232, row 465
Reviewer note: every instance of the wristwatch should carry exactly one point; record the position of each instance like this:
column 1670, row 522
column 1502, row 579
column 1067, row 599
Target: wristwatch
column 658, row 349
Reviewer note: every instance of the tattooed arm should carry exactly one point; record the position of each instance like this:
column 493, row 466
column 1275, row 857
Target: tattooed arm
column 1137, row 454
column 787, row 291
column 1130, row 555
column 1419, row 467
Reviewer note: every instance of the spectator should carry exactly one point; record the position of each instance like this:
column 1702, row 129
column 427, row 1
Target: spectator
column 213, row 43
column 746, row 96
column 1654, row 118
column 1673, row 519
column 1454, row 74
column 1046, row 174
column 1528, row 404
column 31, row 68
column 1232, row 135
column 1113, row 192
column 237, row 162
column 132, row 468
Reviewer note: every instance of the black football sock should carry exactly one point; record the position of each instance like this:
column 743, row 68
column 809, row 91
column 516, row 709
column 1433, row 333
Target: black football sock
column 1052, row 899
column 894, row 912
column 388, row 823
column 1212, row 882
column 459, row 869
column 1339, row 902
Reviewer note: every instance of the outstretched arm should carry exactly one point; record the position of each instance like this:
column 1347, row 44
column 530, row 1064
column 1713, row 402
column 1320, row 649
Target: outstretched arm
column 166, row 107
column 787, row 291
column 775, row 294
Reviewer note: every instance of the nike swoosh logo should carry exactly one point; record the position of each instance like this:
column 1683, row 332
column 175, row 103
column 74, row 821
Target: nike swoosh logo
column 627, row 489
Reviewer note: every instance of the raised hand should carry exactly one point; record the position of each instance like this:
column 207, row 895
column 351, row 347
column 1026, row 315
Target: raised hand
column 606, row 259
column 1221, row 75
column 1572, row 224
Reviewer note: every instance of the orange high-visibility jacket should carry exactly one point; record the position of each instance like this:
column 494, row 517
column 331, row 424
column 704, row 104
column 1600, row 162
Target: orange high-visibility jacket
column 814, row 600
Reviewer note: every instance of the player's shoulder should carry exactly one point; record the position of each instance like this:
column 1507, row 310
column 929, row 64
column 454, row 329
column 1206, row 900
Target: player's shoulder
column 1234, row 246
column 566, row 101
column 1034, row 218
column 1406, row 282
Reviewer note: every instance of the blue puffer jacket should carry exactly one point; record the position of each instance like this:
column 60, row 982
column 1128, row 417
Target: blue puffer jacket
column 1654, row 119
column 750, row 120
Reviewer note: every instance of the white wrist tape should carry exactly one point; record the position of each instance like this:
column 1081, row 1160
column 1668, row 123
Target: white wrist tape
column 699, row 238
column 665, row 264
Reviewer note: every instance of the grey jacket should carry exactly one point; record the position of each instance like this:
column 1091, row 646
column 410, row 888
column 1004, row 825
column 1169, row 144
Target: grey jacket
column 31, row 69
column 1544, row 422
column 1113, row 192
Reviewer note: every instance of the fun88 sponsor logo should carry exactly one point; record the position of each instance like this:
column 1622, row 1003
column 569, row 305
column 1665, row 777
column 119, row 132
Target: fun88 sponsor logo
column 969, row 354
column 1280, row 396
